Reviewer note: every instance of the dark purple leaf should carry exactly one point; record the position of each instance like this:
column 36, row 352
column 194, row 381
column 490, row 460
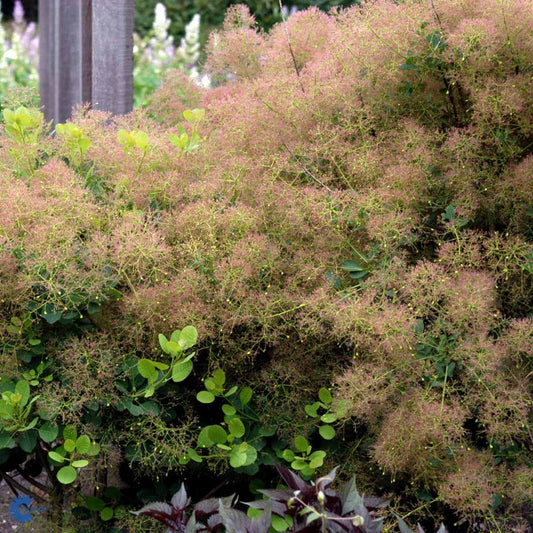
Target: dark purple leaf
column 292, row 480
column 179, row 500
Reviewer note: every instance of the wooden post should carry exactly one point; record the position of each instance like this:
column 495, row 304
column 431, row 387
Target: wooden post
column 86, row 55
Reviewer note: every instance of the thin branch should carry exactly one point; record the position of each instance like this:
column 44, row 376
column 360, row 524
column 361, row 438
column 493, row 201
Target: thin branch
column 7, row 479
column 34, row 482
column 290, row 46
column 307, row 171
column 14, row 485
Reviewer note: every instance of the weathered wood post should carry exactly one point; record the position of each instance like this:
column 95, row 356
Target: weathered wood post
column 86, row 55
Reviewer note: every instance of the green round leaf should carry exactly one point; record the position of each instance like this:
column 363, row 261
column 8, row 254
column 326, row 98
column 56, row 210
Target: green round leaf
column 245, row 395
column 80, row 463
column 83, row 444
column 326, row 432
column 219, row 377
column 173, row 347
column 163, row 342
column 48, row 432
column 28, row 440
column 228, row 409
column 193, row 454
column 307, row 471
column 203, row 438
column 94, row 450
column 316, row 459
column 254, row 513
column 94, row 503
column 188, row 337
column 300, row 443
column 298, row 464
column 328, row 418
column 146, row 369
column 205, row 397
column 288, row 455
column 237, row 457
column 243, row 455
column 106, row 514
column 236, row 427
column 181, row 370
column 251, row 454
column 209, row 384
column 69, row 445
column 58, row 458
column 311, row 409
column 66, row 475
column 278, row 523
column 233, row 390
column 70, row 432
column 325, row 396
column 217, row 434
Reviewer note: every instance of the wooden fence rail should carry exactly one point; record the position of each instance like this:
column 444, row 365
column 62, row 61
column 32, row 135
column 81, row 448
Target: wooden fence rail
column 86, row 55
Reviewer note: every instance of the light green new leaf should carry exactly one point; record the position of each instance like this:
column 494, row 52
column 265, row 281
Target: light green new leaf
column 67, row 475
column 245, row 395
column 236, row 427
column 188, row 337
column 147, row 369
column 174, row 348
column 219, row 377
column 217, row 434
column 325, row 396
column 70, row 432
column 23, row 388
column 205, row 397
column 94, row 450
column 181, row 370
column 80, row 463
column 228, row 409
column 193, row 454
column 327, row 432
column 300, row 443
column 69, row 445
column 163, row 342
column 328, row 418
column 83, row 444
column 58, row 458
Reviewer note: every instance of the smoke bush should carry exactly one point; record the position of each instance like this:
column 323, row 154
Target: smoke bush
column 360, row 220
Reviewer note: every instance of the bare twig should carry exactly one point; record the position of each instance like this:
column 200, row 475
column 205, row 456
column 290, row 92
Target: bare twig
column 15, row 486
column 34, row 482
column 290, row 47
column 306, row 170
